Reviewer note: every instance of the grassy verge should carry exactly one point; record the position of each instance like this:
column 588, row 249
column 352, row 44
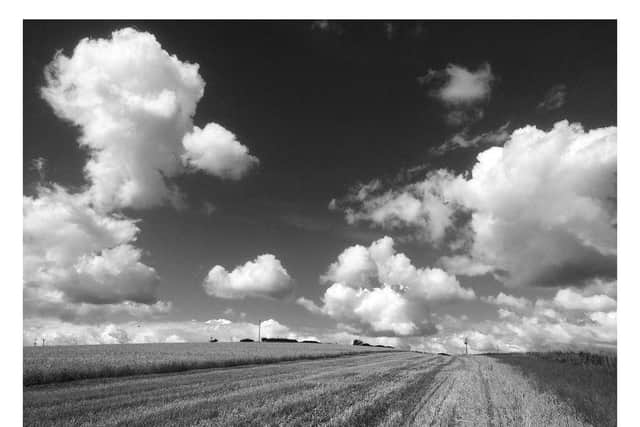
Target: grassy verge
column 586, row 381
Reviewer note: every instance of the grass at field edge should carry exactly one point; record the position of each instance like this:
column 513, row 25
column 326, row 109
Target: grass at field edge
column 36, row 378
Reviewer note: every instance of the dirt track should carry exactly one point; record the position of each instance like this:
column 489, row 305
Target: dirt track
column 378, row 389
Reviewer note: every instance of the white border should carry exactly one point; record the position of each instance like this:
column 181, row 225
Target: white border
column 11, row 113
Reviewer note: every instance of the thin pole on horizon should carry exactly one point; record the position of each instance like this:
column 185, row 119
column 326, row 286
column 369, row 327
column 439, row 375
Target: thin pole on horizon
column 259, row 324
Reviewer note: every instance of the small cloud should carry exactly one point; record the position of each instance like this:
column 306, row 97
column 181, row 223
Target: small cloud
column 570, row 299
column 309, row 305
column 216, row 323
column 216, row 151
column 502, row 299
column 263, row 277
column 39, row 164
column 457, row 85
column 463, row 139
column 555, row 98
column 464, row 265
column 463, row 92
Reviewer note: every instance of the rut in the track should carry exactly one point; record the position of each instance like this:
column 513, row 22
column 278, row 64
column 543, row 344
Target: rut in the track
column 478, row 391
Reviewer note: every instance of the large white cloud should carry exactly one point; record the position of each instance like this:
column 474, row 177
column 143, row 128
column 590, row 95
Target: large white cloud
column 541, row 209
column 77, row 260
column 134, row 103
column 376, row 291
column 264, row 277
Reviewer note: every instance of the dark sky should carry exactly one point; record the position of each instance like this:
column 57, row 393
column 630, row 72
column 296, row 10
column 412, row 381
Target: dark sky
column 322, row 110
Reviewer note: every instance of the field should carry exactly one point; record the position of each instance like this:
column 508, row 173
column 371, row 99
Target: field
column 384, row 388
column 65, row 363
column 588, row 382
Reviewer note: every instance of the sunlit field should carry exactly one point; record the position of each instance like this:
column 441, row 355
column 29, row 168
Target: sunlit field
column 363, row 387
column 64, row 363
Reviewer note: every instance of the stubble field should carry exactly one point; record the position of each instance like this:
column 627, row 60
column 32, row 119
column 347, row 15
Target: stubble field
column 44, row 365
column 385, row 388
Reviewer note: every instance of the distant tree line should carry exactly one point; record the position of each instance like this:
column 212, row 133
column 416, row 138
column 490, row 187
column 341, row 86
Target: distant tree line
column 366, row 344
column 282, row 340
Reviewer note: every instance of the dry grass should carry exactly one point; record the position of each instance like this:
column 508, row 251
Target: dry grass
column 587, row 382
column 44, row 365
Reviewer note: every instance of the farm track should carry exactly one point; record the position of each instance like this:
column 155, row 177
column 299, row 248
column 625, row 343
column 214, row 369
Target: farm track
column 384, row 389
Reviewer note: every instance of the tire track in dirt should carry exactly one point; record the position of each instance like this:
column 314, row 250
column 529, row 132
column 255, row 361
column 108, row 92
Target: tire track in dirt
column 392, row 389
column 478, row 391
column 487, row 394
column 305, row 392
column 395, row 403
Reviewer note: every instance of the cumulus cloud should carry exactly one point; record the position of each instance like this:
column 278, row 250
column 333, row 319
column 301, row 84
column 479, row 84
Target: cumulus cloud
column 217, row 151
column 464, row 265
column 458, row 85
column 462, row 91
column 421, row 207
column 555, row 98
column 543, row 330
column 502, row 299
column 264, row 277
column 134, row 105
column 217, row 323
column 541, row 209
column 570, row 299
column 375, row 290
column 354, row 266
column 574, row 319
column 78, row 261
column 57, row 332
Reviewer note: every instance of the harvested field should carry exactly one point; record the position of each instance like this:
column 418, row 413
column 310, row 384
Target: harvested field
column 386, row 388
column 44, row 365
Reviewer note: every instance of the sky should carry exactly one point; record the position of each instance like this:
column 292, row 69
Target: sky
column 409, row 183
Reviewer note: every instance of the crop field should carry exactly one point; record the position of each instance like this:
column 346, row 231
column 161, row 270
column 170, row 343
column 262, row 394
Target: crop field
column 64, row 363
column 384, row 388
